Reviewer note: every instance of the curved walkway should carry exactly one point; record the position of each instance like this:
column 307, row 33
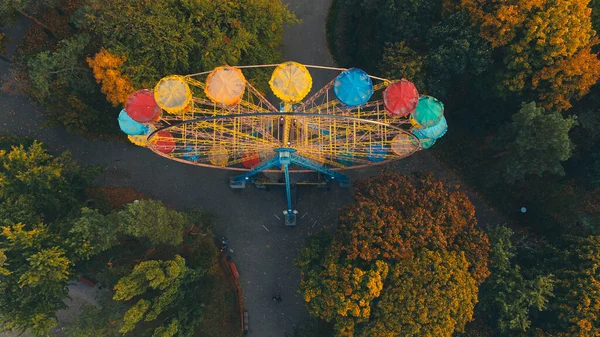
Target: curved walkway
column 263, row 248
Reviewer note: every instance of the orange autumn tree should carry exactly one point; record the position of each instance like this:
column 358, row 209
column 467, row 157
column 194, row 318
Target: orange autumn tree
column 547, row 46
column 568, row 78
column 498, row 19
column 107, row 71
column 397, row 223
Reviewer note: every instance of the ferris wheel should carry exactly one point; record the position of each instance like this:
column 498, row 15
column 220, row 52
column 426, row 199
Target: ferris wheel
column 218, row 119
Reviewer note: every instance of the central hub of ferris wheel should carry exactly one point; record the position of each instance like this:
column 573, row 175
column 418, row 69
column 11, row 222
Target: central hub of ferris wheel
column 217, row 119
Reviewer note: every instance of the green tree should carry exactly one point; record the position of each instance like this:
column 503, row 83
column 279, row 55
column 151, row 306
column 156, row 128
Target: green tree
column 536, row 142
column 400, row 61
column 34, row 281
column 163, row 276
column 36, row 186
column 92, row 233
column 153, row 221
column 393, row 218
column 165, row 37
column 63, row 83
column 456, row 51
column 507, row 295
column 47, row 67
column 167, row 331
column 576, row 304
column 46, row 266
column 376, row 24
column 155, row 36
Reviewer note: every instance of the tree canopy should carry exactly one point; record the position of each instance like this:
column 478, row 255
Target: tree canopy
column 548, row 46
column 38, row 194
column 63, row 83
column 510, row 296
column 357, row 278
column 151, row 220
column 395, row 214
column 107, row 70
column 536, row 142
column 432, row 294
column 50, row 233
column 164, row 276
column 160, row 38
column 34, row 278
column 36, row 186
column 576, row 304
column 126, row 45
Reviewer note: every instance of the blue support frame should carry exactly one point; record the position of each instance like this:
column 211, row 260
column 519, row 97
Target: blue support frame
column 284, row 158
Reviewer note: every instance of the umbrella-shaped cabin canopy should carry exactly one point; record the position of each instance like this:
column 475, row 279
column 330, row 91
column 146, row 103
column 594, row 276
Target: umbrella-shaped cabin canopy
column 129, row 126
column 164, row 142
column 353, row 87
column 225, row 85
column 142, row 107
column 291, row 82
column 404, row 145
column 429, row 112
column 435, row 132
column 400, row 98
column 173, row 94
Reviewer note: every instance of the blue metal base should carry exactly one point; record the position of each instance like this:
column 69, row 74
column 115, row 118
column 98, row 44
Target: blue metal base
column 233, row 184
column 284, row 158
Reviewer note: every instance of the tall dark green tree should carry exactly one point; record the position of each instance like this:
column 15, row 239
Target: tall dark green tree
column 455, row 53
column 91, row 233
column 507, row 295
column 378, row 22
column 536, row 142
column 400, row 61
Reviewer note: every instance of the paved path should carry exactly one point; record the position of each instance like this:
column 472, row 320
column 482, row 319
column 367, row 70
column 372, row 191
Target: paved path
column 264, row 258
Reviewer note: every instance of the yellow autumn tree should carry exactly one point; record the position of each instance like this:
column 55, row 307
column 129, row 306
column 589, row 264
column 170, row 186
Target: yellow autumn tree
column 406, row 260
column 546, row 45
column 107, row 69
column 343, row 292
column 432, row 294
